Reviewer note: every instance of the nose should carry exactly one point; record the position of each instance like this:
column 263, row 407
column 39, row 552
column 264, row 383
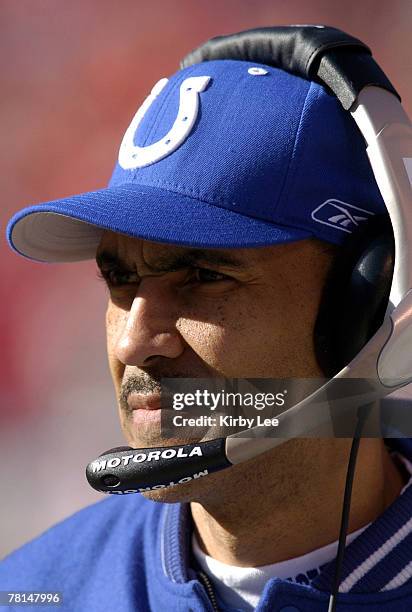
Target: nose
column 149, row 329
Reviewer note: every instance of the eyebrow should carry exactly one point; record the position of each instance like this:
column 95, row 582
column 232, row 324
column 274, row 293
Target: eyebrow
column 172, row 263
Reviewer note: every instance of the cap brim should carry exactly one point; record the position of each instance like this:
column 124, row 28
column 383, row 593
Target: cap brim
column 70, row 229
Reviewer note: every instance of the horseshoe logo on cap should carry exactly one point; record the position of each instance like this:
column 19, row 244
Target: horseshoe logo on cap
column 132, row 156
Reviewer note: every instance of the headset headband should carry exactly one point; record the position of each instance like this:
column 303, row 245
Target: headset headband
column 316, row 53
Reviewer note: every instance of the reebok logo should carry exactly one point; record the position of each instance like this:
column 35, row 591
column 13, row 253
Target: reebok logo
column 340, row 215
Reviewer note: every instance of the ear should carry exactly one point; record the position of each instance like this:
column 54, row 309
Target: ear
column 355, row 296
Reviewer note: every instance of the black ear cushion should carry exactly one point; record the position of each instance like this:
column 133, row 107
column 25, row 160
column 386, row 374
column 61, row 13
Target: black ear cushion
column 355, row 296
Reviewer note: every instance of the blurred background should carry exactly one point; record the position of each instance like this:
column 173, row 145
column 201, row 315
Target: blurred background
column 72, row 76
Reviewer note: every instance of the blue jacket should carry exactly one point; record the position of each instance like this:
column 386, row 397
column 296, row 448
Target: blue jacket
column 127, row 554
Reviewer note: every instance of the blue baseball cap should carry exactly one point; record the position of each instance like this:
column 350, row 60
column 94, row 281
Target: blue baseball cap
column 223, row 154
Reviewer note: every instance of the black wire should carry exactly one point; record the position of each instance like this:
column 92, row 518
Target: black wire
column 363, row 414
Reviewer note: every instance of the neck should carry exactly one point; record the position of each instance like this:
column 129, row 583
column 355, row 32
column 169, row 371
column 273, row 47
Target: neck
column 288, row 502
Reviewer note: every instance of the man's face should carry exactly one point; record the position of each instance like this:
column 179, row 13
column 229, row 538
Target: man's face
column 184, row 312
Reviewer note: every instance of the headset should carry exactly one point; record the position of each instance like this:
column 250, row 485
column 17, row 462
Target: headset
column 369, row 290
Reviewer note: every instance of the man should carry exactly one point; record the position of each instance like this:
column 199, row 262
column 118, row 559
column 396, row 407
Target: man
column 216, row 238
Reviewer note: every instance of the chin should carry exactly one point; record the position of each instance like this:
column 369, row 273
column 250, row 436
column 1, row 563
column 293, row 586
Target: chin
column 151, row 437
column 193, row 491
column 183, row 493
column 157, row 441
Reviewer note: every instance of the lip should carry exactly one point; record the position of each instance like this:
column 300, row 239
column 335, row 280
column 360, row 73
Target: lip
column 140, row 417
column 145, row 408
column 144, row 401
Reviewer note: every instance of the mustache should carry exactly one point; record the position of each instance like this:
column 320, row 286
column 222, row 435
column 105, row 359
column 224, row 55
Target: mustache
column 142, row 383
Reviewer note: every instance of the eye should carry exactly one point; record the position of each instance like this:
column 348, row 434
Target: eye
column 204, row 275
column 118, row 278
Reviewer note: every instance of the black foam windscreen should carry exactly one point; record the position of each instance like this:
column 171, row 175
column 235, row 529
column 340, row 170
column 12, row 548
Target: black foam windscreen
column 355, row 295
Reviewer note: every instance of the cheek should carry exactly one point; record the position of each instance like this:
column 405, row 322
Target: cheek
column 258, row 334
column 205, row 338
column 227, row 337
column 114, row 320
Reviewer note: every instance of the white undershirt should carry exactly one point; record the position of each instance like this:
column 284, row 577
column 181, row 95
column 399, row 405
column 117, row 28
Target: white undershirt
column 241, row 587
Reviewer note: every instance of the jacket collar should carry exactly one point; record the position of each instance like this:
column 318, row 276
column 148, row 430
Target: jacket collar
column 378, row 560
